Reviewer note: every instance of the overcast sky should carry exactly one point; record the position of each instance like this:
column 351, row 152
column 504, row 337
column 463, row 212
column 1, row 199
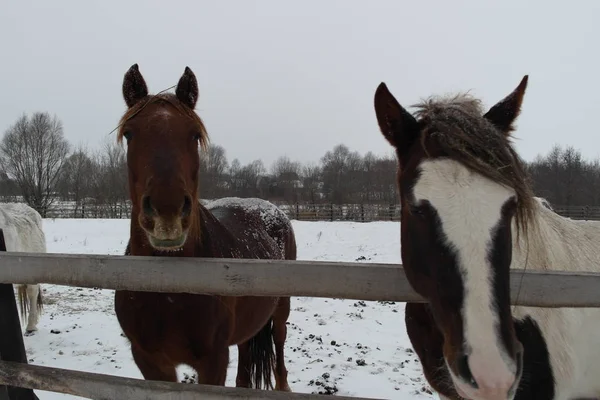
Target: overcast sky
column 298, row 77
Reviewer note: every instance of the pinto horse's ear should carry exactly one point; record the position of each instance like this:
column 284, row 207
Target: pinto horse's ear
column 397, row 125
column 187, row 88
column 506, row 111
column 134, row 86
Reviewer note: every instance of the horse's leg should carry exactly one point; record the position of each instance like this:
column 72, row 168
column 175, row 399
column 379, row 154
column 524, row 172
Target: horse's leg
column 154, row 368
column 428, row 342
column 33, row 291
column 280, row 317
column 243, row 372
column 212, row 368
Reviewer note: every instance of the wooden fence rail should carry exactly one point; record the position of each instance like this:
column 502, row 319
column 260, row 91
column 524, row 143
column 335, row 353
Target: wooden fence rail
column 243, row 277
column 110, row 387
column 237, row 277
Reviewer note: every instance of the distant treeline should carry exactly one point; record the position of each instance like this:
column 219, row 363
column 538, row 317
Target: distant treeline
column 38, row 164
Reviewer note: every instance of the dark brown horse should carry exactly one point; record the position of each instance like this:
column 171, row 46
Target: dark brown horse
column 163, row 135
column 468, row 216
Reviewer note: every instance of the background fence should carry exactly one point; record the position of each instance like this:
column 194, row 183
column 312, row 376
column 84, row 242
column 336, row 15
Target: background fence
column 301, row 212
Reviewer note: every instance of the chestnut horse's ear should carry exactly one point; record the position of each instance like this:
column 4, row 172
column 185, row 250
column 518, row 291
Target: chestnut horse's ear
column 134, row 86
column 506, row 111
column 397, row 125
column 187, row 88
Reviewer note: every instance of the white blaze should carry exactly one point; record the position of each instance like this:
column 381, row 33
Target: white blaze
column 469, row 207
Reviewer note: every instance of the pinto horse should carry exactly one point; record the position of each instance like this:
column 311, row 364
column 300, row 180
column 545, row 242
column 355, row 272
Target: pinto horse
column 163, row 135
column 468, row 216
column 23, row 232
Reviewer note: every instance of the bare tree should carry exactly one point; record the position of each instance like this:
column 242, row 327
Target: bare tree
column 341, row 170
column 8, row 188
column 213, row 171
column 311, row 183
column 564, row 178
column 33, row 152
column 110, row 181
column 286, row 174
column 75, row 182
column 244, row 180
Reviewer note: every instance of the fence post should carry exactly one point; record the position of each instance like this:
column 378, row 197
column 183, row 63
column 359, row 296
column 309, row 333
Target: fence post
column 297, row 211
column 391, row 212
column 362, row 212
column 331, row 211
column 12, row 347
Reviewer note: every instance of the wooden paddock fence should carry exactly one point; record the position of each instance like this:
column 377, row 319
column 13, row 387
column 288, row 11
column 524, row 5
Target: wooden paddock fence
column 365, row 212
column 234, row 277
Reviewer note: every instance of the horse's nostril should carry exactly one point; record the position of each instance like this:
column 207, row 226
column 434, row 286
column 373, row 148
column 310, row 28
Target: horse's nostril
column 147, row 206
column 187, row 206
column 462, row 365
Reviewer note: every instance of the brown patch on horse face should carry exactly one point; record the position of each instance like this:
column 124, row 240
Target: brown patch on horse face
column 455, row 129
column 163, row 136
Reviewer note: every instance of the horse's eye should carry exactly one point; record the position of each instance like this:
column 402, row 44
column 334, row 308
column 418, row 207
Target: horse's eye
column 197, row 136
column 127, row 135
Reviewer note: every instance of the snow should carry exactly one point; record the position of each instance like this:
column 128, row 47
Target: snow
column 359, row 348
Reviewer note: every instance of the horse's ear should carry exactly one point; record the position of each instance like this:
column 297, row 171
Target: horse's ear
column 134, row 86
column 506, row 111
column 187, row 88
column 397, row 125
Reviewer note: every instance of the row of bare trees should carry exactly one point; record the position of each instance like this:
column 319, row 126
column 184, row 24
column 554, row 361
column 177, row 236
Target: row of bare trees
column 565, row 178
column 38, row 163
column 342, row 176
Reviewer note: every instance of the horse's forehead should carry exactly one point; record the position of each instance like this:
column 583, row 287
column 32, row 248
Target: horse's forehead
column 157, row 115
column 457, row 193
column 161, row 113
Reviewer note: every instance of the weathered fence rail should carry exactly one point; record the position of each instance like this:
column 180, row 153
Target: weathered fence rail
column 110, row 387
column 244, row 277
column 236, row 277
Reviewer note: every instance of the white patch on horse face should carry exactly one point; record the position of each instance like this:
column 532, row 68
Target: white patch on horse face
column 469, row 207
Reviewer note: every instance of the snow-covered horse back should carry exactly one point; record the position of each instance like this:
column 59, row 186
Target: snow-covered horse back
column 23, row 232
column 468, row 216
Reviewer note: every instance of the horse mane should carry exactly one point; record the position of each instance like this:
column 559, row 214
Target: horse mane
column 455, row 126
column 171, row 99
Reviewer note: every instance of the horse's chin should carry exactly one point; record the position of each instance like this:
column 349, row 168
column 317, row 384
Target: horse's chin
column 167, row 245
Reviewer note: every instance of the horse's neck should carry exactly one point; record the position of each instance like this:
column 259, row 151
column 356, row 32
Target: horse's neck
column 553, row 242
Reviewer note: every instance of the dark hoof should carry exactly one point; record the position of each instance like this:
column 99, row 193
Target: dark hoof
column 29, row 333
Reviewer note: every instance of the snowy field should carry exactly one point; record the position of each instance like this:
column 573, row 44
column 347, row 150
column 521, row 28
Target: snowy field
column 340, row 347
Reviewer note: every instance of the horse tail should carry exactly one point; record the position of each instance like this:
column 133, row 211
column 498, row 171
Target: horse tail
column 262, row 357
column 40, row 301
column 291, row 249
column 23, row 301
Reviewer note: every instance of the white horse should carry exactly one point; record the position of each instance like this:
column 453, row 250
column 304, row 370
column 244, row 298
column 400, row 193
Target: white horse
column 22, row 227
column 468, row 217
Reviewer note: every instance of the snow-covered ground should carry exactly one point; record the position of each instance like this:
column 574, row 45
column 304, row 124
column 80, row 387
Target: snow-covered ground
column 342, row 347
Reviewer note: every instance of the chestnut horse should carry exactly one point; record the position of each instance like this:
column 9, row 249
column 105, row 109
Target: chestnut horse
column 163, row 135
column 468, row 216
